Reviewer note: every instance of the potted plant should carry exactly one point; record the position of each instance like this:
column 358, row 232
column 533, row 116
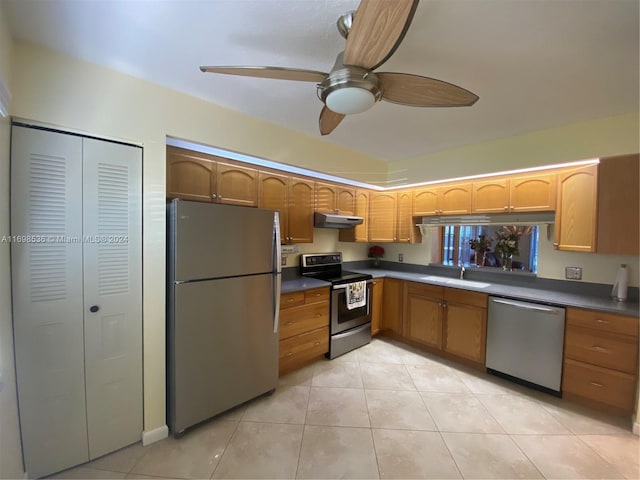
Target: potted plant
column 480, row 246
column 376, row 252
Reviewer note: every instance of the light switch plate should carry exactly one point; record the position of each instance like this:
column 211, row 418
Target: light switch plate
column 401, row 257
column 573, row 273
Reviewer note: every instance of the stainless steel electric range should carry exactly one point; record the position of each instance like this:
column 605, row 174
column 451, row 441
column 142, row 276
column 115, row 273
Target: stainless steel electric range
column 349, row 328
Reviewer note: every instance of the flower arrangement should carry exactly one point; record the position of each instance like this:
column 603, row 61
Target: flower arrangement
column 507, row 239
column 481, row 244
column 376, row 252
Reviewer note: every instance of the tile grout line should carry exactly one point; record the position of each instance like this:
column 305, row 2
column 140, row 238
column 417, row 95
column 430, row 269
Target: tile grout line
column 226, row 446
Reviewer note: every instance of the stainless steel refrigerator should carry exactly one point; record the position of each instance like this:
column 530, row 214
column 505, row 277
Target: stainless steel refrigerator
column 223, row 301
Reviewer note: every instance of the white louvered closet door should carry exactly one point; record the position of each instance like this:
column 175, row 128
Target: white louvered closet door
column 46, row 212
column 113, row 288
column 76, row 207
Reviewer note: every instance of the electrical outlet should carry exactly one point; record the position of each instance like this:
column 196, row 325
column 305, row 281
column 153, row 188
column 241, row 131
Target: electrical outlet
column 283, row 261
column 573, row 273
column 401, row 257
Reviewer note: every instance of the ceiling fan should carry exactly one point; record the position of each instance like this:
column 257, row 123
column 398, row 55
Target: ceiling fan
column 373, row 33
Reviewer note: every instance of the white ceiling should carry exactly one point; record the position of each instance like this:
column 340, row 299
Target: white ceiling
column 534, row 63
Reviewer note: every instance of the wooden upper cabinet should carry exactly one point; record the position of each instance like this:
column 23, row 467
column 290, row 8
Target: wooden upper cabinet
column 345, row 200
column 575, row 227
column 382, row 216
column 331, row 198
column 273, row 192
column 301, row 203
column 237, row 185
column 326, row 198
column 360, row 233
column 532, row 193
column 455, row 199
column 445, row 200
column 405, row 227
column 618, row 205
column 425, row 202
column 190, row 177
column 491, row 196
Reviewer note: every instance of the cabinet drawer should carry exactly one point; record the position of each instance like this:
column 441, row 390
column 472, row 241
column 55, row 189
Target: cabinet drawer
column 425, row 290
column 603, row 349
column 297, row 320
column 455, row 295
column 602, row 385
column 293, row 299
column 602, row 321
column 296, row 350
column 316, row 295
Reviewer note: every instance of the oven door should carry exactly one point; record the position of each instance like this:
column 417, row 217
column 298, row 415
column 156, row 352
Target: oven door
column 341, row 317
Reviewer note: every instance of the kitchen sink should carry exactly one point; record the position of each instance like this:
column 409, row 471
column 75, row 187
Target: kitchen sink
column 455, row 281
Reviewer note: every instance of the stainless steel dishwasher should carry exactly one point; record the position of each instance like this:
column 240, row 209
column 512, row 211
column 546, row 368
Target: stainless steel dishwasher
column 525, row 340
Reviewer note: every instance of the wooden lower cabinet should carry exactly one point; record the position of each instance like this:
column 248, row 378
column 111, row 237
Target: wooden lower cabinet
column 423, row 314
column 304, row 328
column 392, row 306
column 297, row 351
column 465, row 324
column 376, row 307
column 447, row 319
column 601, row 359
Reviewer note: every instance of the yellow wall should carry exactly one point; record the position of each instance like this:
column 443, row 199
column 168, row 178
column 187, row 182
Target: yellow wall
column 594, row 138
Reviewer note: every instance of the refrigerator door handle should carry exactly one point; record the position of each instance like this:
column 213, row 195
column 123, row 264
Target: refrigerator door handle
column 277, row 287
column 277, row 250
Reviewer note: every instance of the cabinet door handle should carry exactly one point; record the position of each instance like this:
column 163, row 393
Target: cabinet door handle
column 214, row 196
column 555, row 244
column 506, row 208
column 598, row 348
column 599, row 320
column 316, row 344
column 317, row 294
column 289, row 323
column 94, row 308
column 596, row 384
column 289, row 354
column 317, row 315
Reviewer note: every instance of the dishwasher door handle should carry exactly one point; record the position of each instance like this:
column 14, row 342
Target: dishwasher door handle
column 550, row 311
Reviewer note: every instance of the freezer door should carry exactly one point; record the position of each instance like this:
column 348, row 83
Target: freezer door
column 214, row 241
column 222, row 347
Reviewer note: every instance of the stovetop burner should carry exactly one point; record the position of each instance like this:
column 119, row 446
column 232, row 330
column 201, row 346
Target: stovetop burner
column 328, row 267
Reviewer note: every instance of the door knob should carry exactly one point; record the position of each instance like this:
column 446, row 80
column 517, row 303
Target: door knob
column 94, row 308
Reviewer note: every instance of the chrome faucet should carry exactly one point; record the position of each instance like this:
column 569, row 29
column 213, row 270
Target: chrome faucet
column 462, row 270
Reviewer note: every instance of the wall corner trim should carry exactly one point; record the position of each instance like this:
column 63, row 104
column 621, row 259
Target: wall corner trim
column 155, row 435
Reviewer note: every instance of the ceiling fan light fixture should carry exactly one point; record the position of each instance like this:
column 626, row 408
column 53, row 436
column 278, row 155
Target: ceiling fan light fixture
column 350, row 100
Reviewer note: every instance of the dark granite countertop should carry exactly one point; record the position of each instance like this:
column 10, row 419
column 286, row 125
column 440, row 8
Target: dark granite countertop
column 299, row 284
column 551, row 297
column 540, row 295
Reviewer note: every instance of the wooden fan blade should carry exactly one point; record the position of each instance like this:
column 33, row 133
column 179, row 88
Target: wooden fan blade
column 329, row 120
column 278, row 73
column 378, row 28
column 418, row 91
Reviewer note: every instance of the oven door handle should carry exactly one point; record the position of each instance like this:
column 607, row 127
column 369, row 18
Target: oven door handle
column 344, row 285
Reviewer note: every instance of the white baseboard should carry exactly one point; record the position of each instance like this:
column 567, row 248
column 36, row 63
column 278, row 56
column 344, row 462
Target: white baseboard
column 155, row 435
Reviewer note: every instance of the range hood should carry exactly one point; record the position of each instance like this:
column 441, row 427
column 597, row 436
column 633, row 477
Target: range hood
column 333, row 220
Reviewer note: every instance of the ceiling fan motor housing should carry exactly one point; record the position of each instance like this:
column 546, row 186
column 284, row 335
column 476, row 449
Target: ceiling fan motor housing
column 349, row 90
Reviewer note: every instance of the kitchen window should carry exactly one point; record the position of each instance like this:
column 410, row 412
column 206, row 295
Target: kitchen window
column 456, row 248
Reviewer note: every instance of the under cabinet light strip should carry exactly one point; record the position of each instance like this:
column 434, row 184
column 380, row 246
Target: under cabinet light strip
column 175, row 142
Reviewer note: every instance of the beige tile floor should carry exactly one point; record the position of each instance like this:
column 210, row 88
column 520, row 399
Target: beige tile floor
column 389, row 411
